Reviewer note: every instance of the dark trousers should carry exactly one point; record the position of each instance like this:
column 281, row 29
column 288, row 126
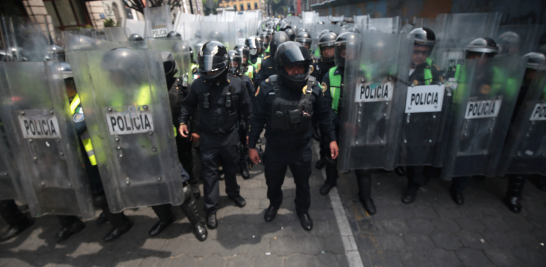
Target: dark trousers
column 330, row 164
column 11, row 213
column 243, row 147
column 212, row 150
column 428, row 172
column 185, row 156
column 276, row 163
column 364, row 182
column 459, row 183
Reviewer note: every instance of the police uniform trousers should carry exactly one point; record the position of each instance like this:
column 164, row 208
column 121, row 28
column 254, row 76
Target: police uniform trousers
column 243, row 152
column 330, row 166
column 11, row 213
column 214, row 148
column 185, row 156
column 164, row 211
column 276, row 161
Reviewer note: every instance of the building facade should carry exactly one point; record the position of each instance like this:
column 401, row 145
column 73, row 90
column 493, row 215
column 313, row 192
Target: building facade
column 242, row 5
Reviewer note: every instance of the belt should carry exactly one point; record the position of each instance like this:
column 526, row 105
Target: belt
column 217, row 134
column 288, row 150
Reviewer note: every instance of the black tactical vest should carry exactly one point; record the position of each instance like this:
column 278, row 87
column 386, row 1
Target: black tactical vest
column 291, row 115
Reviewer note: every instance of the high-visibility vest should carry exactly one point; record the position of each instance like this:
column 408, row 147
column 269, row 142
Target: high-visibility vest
column 335, row 87
column 86, row 139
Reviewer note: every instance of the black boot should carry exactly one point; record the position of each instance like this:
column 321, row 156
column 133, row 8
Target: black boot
column 331, row 177
column 117, row 232
column 457, row 196
column 195, row 191
column 16, row 220
column 244, row 169
column 189, row 207
column 161, row 225
column 513, row 194
column 101, row 219
column 364, row 181
column 411, row 193
column 70, row 226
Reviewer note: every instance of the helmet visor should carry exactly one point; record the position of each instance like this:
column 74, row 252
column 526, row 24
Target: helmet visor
column 295, row 55
column 212, row 63
column 340, row 54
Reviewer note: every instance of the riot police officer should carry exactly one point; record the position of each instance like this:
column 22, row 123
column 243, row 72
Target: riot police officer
column 268, row 66
column 422, row 72
column 326, row 61
column 189, row 206
column 291, row 34
column 333, row 86
column 254, row 49
column 286, row 104
column 222, row 101
column 235, row 69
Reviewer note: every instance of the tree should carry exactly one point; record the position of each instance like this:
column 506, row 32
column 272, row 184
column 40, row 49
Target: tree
column 139, row 6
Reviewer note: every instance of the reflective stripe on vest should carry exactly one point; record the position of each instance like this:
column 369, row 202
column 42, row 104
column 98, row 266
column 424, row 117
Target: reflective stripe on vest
column 250, row 72
column 335, row 87
column 86, row 139
column 428, row 76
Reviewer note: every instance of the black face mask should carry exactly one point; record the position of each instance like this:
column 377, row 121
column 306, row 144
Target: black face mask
column 291, row 84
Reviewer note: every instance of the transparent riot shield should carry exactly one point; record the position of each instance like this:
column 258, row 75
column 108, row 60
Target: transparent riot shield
column 42, row 136
column 386, row 25
column 518, row 40
column 10, row 187
column 525, row 148
column 158, row 21
column 224, row 32
column 134, row 26
column 455, row 31
column 373, row 101
column 482, row 108
column 117, row 34
column 179, row 49
column 24, row 40
column 127, row 112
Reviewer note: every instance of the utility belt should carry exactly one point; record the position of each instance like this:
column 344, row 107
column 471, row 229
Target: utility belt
column 287, row 116
column 216, row 134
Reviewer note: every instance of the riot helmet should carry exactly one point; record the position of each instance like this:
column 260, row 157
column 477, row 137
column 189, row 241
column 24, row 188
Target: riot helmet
column 535, row 60
column 66, row 70
column 508, row 43
column 235, row 62
column 244, row 52
column 424, row 41
column 135, row 37
column 278, row 39
column 174, row 35
column 213, row 60
column 292, row 62
column 252, row 44
column 481, row 47
column 290, row 34
column 260, row 45
column 305, row 39
column 341, row 47
column 68, row 78
column 265, row 39
column 326, row 45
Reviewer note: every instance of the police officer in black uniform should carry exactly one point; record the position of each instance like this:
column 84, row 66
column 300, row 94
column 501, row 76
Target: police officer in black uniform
column 327, row 51
column 291, row 34
column 268, row 66
column 189, row 206
column 286, row 104
column 221, row 102
column 235, row 69
column 422, row 72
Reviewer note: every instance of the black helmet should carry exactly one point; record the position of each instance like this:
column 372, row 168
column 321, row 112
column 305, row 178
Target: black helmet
column 323, row 32
column 484, row 46
column 260, row 44
column 169, row 65
column 56, row 53
column 535, row 60
column 235, row 62
column 304, row 38
column 290, row 34
column 213, row 57
column 174, row 35
column 290, row 54
column 278, row 39
column 244, row 52
column 341, row 47
column 424, row 36
column 66, row 69
column 302, row 30
column 136, row 37
column 508, row 43
column 252, row 44
column 265, row 38
column 327, row 40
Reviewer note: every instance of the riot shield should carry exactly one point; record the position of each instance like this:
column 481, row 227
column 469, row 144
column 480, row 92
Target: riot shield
column 24, row 40
column 158, row 21
column 10, row 187
column 386, row 25
column 42, row 136
column 221, row 32
column 179, row 49
column 126, row 106
column 518, row 40
column 373, row 100
column 117, row 34
column 525, row 148
column 482, row 107
column 134, row 26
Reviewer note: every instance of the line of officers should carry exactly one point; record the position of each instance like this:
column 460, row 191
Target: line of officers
column 272, row 82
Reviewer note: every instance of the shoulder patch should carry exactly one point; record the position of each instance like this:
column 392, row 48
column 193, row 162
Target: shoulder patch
column 312, row 68
column 324, row 86
column 78, row 117
column 266, row 57
column 257, row 91
column 415, row 82
column 258, row 66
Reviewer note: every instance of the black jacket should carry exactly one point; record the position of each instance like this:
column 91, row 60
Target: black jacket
column 267, row 69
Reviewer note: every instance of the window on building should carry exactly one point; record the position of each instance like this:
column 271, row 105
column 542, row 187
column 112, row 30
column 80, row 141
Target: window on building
column 248, row 6
column 255, row 5
column 235, row 7
column 66, row 14
column 242, row 7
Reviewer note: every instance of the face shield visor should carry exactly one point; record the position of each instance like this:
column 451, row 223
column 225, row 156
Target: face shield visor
column 340, row 53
